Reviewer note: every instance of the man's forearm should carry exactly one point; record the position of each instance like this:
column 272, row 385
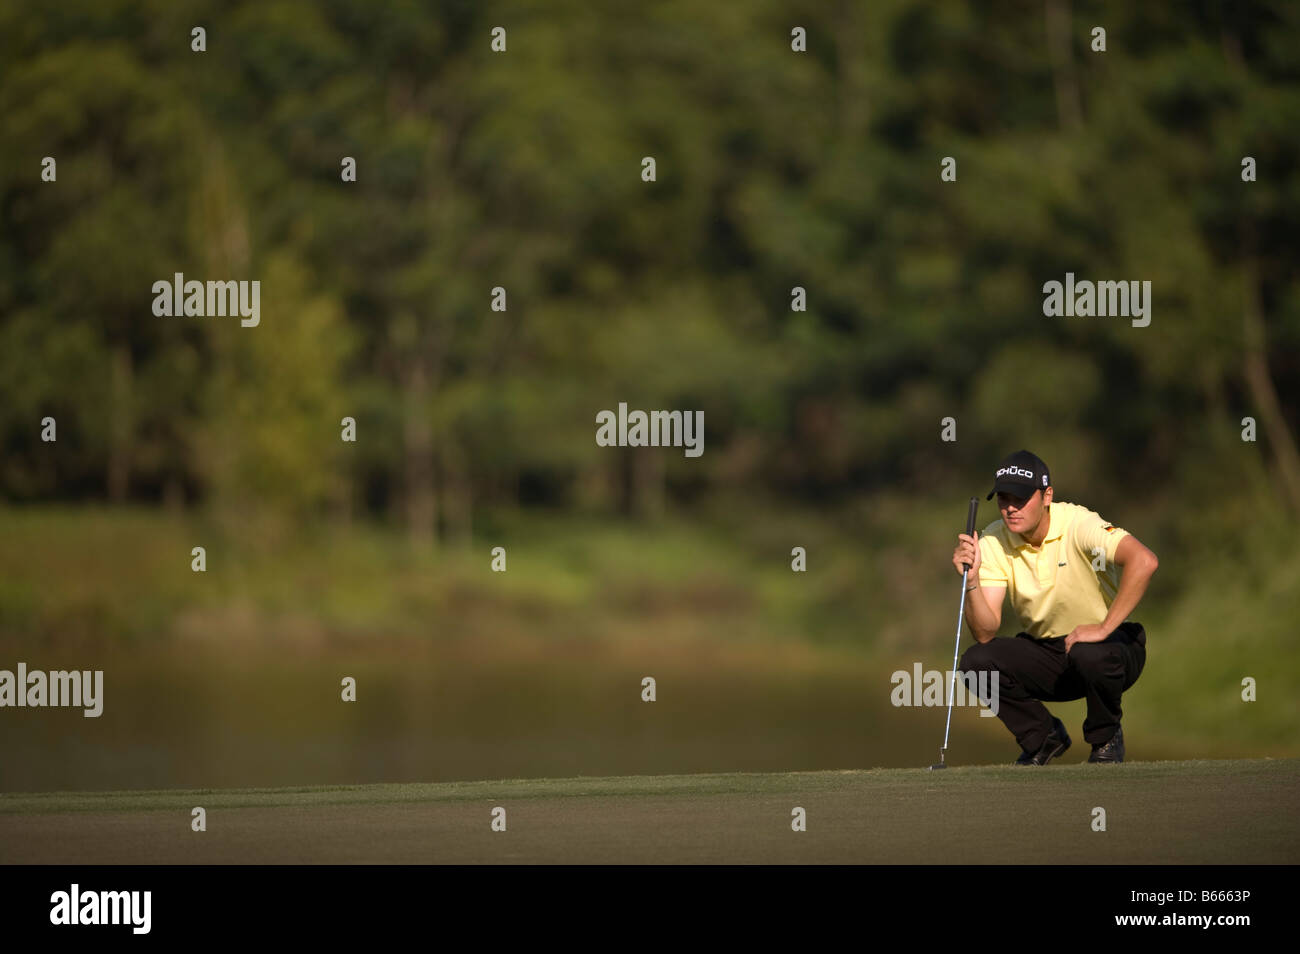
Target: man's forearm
column 1132, row 585
column 979, row 617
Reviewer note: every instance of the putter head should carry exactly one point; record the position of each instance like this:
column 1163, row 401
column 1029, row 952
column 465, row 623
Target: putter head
column 939, row 766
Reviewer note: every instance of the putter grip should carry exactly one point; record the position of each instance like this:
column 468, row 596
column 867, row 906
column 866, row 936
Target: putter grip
column 970, row 521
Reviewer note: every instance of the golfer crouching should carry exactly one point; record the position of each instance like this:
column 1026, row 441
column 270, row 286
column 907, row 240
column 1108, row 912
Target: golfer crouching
column 1059, row 563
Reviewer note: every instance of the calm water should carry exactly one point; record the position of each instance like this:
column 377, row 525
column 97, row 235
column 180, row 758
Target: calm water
column 203, row 716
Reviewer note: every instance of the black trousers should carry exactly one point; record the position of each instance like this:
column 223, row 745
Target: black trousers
column 1032, row 671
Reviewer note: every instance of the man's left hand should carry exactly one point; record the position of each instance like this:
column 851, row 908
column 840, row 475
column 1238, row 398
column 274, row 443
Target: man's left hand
column 1092, row 633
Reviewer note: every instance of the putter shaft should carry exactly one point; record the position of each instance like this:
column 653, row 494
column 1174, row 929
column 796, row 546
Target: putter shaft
column 952, row 682
column 961, row 612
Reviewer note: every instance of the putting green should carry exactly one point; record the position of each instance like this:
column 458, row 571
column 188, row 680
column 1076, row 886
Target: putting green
column 1225, row 812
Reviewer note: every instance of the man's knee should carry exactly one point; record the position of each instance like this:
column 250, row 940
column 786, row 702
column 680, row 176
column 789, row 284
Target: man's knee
column 979, row 658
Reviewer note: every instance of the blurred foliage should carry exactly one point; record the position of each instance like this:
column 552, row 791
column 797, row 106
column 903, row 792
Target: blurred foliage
column 522, row 170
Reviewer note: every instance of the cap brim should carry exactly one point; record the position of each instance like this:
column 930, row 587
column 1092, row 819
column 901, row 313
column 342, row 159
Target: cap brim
column 1018, row 490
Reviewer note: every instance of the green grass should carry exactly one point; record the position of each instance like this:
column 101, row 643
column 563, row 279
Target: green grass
column 1194, row 812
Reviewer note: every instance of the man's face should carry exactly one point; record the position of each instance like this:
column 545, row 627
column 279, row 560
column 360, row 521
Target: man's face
column 1022, row 514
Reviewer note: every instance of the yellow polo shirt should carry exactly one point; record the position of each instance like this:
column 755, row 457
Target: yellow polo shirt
column 1054, row 587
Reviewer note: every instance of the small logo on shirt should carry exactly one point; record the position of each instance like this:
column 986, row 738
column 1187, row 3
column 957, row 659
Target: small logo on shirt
column 1060, row 564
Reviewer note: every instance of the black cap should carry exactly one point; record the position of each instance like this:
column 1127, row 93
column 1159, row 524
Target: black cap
column 1020, row 474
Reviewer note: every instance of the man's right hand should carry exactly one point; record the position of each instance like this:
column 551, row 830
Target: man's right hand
column 968, row 551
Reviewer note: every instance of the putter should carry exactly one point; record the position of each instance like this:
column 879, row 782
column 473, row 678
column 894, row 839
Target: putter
column 961, row 610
